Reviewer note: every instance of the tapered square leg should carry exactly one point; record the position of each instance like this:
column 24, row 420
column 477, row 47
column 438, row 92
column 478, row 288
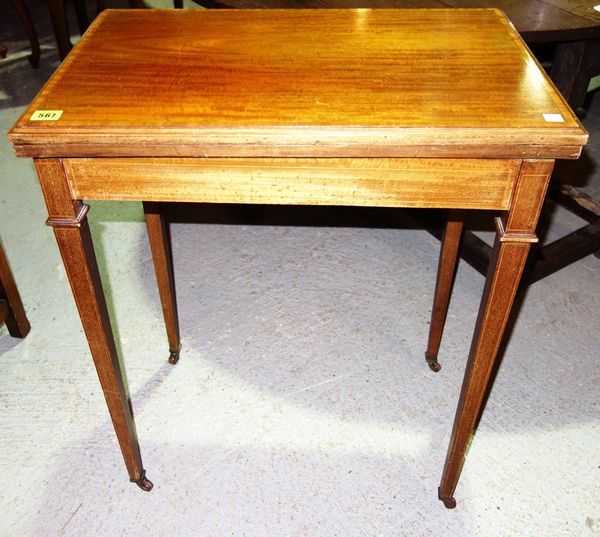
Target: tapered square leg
column 160, row 245
column 443, row 285
column 69, row 219
column 514, row 235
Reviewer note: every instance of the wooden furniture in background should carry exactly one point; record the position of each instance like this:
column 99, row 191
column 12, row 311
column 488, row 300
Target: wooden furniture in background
column 25, row 18
column 384, row 108
column 60, row 25
column 11, row 308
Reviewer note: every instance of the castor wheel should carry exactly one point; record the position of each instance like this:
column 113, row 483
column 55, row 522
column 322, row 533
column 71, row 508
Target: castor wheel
column 434, row 365
column 143, row 482
column 449, row 501
column 174, row 356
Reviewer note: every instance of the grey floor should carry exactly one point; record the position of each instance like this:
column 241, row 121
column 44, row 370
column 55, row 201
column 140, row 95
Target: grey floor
column 301, row 404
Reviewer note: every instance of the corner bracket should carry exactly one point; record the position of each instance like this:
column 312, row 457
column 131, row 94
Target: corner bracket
column 504, row 236
column 70, row 222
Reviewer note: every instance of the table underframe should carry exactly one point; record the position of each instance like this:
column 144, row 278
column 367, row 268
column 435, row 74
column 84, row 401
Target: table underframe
column 515, row 187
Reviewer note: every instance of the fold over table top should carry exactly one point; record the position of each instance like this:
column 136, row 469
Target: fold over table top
column 314, row 83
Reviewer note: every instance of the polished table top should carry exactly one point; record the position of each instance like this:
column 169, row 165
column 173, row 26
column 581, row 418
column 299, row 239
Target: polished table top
column 301, row 83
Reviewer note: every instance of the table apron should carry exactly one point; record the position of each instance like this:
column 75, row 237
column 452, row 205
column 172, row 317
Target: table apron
column 377, row 182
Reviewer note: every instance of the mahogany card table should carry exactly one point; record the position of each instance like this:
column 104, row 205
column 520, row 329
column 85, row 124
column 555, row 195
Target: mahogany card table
column 397, row 108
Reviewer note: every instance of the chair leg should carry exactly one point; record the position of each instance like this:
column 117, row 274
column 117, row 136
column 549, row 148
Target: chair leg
column 56, row 9
column 443, row 286
column 16, row 320
column 160, row 245
column 81, row 14
column 27, row 23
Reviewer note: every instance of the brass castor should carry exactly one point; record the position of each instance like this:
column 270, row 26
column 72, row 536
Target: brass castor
column 174, row 356
column 143, row 482
column 434, row 365
column 449, row 501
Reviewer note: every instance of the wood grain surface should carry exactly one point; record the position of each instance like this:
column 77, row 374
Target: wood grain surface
column 318, row 78
column 451, row 183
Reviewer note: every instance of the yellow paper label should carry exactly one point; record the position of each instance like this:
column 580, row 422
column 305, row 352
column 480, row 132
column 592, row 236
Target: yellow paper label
column 46, row 115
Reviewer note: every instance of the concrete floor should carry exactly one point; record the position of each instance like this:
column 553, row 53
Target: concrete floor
column 301, row 404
